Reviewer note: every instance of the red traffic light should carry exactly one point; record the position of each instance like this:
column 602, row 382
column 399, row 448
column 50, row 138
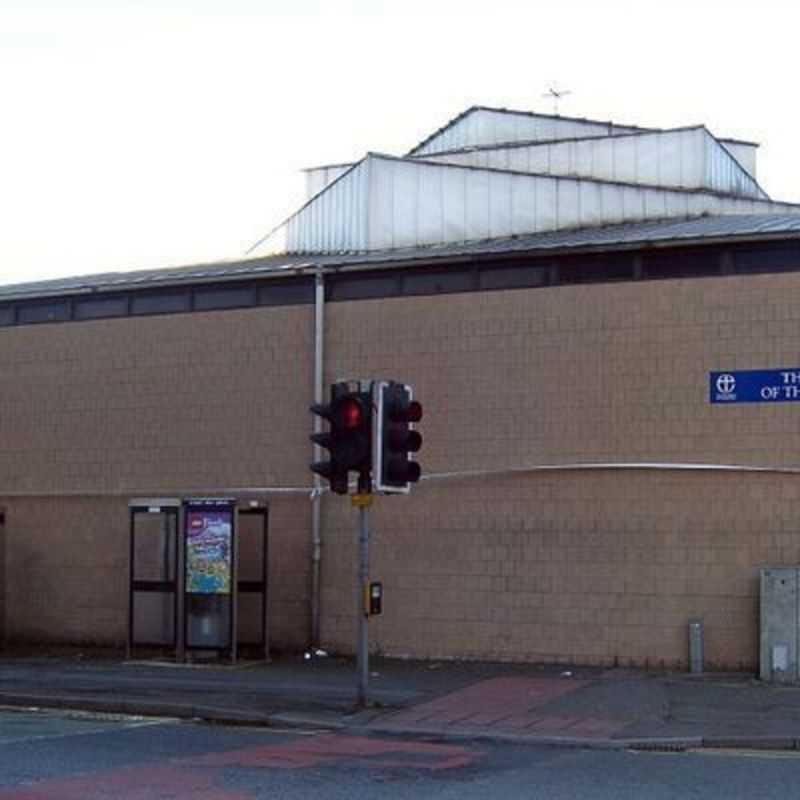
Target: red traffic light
column 349, row 438
column 352, row 414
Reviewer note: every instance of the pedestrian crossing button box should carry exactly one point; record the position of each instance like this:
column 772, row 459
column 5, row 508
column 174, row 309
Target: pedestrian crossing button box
column 375, row 598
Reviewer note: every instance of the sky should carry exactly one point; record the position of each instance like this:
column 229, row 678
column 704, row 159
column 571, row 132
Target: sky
column 138, row 134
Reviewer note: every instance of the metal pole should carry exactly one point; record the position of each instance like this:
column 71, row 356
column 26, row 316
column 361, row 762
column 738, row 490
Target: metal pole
column 316, row 510
column 131, row 578
column 234, row 596
column 167, row 534
column 362, row 501
column 180, row 587
column 363, row 618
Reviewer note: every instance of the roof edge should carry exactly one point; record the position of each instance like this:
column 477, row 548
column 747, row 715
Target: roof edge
column 536, row 142
column 540, row 115
column 328, row 166
column 518, row 112
column 675, row 189
column 298, row 264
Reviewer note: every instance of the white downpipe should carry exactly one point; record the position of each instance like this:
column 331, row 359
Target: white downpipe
column 316, row 495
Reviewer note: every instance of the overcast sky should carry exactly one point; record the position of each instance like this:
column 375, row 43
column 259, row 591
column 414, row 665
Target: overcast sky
column 146, row 133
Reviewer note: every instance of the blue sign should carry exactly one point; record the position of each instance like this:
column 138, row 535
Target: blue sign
column 755, row 386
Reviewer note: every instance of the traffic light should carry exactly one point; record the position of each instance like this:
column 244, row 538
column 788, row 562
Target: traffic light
column 349, row 439
column 394, row 469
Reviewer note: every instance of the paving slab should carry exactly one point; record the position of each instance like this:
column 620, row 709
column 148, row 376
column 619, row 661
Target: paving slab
column 543, row 704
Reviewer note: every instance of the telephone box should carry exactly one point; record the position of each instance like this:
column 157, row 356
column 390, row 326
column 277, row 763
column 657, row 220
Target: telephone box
column 192, row 580
column 209, row 543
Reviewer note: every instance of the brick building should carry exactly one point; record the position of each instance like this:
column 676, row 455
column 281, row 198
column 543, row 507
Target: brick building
column 557, row 291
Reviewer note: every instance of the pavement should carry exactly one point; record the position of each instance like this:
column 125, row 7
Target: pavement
column 448, row 700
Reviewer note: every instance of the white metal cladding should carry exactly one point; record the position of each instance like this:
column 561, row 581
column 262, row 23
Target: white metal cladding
column 724, row 173
column 744, row 153
column 686, row 158
column 386, row 203
column 483, row 126
column 333, row 221
column 317, row 178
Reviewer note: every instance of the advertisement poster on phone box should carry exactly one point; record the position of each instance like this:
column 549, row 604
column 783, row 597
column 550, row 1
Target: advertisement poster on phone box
column 208, row 550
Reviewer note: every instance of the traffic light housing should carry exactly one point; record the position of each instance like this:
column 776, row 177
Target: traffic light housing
column 348, row 439
column 395, row 440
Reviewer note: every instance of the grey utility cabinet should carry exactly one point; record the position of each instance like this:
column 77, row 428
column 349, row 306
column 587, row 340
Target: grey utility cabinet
column 780, row 620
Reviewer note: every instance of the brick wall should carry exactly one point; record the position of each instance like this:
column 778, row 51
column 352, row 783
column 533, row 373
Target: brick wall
column 125, row 407
column 157, row 402
column 597, row 567
column 593, row 566
column 590, row 567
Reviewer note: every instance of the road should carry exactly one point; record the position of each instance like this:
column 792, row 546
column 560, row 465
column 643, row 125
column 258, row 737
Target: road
column 88, row 757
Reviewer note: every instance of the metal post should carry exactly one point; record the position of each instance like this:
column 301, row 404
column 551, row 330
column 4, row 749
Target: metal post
column 363, row 502
column 696, row 646
column 234, row 596
column 131, row 577
column 363, row 623
column 265, row 583
column 180, row 584
column 316, row 498
column 168, row 536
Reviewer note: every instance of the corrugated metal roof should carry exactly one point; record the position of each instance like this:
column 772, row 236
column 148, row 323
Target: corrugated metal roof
column 720, row 170
column 194, row 273
column 528, row 172
column 634, row 234
column 543, row 142
column 684, row 232
column 389, row 202
column 523, row 143
column 517, row 112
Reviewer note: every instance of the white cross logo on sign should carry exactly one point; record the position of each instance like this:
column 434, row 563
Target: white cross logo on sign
column 726, row 383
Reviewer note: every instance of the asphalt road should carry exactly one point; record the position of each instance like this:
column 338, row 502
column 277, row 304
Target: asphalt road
column 86, row 757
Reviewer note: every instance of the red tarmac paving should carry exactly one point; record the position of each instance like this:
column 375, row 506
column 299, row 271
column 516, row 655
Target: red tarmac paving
column 507, row 705
column 589, row 706
column 203, row 777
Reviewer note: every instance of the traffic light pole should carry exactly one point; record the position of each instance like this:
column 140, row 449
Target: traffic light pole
column 371, row 433
column 363, row 501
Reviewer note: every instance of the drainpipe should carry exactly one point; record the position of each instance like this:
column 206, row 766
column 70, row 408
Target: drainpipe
column 316, row 500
